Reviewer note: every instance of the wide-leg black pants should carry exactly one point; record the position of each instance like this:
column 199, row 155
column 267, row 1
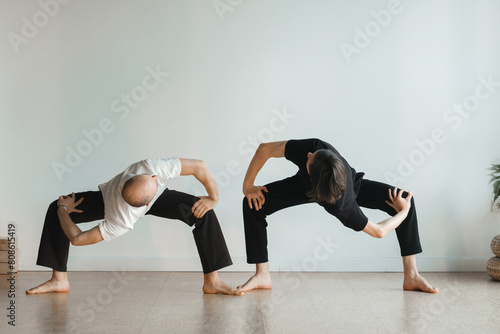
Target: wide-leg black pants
column 290, row 192
column 212, row 249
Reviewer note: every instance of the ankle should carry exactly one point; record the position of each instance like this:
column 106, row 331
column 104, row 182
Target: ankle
column 411, row 273
column 59, row 278
column 210, row 276
column 262, row 269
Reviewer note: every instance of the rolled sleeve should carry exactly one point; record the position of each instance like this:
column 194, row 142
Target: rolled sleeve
column 166, row 168
column 351, row 217
column 111, row 231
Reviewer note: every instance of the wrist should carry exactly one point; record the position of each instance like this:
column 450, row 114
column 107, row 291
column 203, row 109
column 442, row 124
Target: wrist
column 246, row 186
column 62, row 208
column 405, row 211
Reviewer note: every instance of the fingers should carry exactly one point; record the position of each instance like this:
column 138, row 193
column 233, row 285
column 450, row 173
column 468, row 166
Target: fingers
column 201, row 207
column 197, row 209
column 390, row 196
column 195, row 206
column 199, row 213
column 397, row 201
column 249, row 202
column 395, row 193
column 79, row 201
column 398, row 193
column 256, row 199
column 260, row 199
column 256, row 203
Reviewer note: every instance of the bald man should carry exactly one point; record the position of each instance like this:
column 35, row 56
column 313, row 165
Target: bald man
column 139, row 190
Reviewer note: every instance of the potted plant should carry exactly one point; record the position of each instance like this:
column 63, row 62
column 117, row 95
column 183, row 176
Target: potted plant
column 495, row 180
column 493, row 266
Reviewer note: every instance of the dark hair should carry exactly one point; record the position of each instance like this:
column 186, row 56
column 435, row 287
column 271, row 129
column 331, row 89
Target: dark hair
column 328, row 178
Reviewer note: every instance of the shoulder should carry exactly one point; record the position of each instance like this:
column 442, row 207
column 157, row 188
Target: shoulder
column 309, row 145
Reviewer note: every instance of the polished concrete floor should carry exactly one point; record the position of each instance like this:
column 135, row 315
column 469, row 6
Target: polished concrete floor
column 172, row 302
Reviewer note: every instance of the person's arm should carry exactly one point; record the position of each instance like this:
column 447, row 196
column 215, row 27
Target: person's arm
column 264, row 152
column 401, row 205
column 67, row 205
column 199, row 170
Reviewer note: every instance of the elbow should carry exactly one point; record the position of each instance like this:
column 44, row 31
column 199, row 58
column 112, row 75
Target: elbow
column 375, row 230
column 379, row 233
column 262, row 147
column 75, row 241
column 264, row 150
column 201, row 166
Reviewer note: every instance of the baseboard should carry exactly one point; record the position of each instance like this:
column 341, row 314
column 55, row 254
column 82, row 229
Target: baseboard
column 365, row 264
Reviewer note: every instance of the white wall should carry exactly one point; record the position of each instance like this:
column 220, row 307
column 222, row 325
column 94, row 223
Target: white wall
column 232, row 69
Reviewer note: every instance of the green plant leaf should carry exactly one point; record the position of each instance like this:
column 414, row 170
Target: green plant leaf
column 494, row 178
column 495, row 168
column 496, row 189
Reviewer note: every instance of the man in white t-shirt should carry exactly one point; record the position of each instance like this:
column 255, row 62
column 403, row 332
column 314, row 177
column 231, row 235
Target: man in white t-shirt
column 141, row 189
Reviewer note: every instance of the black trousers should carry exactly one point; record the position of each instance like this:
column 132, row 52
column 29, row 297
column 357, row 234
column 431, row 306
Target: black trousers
column 214, row 255
column 290, row 192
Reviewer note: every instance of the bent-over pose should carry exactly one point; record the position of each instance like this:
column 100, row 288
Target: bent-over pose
column 326, row 178
column 140, row 190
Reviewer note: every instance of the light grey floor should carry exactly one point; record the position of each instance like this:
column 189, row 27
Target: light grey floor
column 172, row 302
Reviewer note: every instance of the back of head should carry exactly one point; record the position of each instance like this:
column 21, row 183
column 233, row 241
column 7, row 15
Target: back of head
column 328, row 177
column 138, row 191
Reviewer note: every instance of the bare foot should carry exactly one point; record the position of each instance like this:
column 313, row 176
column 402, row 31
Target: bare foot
column 257, row 281
column 212, row 286
column 418, row 283
column 51, row 285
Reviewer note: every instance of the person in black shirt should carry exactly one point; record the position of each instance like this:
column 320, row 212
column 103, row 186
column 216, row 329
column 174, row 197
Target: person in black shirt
column 325, row 177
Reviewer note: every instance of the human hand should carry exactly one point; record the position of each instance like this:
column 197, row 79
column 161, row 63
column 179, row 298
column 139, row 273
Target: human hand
column 254, row 194
column 69, row 203
column 204, row 204
column 397, row 201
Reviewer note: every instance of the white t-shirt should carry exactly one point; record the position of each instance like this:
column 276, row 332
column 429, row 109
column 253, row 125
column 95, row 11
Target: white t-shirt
column 119, row 216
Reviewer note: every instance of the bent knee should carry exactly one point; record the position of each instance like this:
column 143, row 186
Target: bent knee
column 208, row 216
column 250, row 211
column 246, row 207
column 53, row 206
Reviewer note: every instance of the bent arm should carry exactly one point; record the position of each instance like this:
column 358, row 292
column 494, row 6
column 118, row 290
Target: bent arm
column 263, row 153
column 199, row 170
column 402, row 207
column 383, row 228
column 73, row 232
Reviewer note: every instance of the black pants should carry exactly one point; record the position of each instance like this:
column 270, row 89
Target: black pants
column 290, row 192
column 212, row 249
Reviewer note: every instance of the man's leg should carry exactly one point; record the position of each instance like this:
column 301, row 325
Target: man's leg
column 207, row 233
column 281, row 194
column 373, row 195
column 54, row 245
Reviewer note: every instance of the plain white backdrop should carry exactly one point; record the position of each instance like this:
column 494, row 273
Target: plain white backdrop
column 407, row 91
